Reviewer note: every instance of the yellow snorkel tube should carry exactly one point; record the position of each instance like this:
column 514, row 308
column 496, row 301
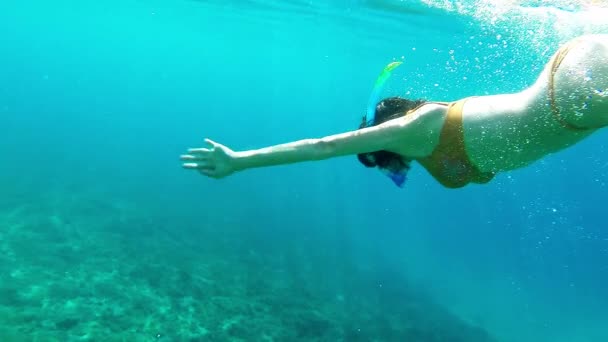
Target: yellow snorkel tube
column 397, row 176
column 378, row 87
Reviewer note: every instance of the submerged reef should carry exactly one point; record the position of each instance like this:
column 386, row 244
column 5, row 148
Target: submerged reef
column 85, row 267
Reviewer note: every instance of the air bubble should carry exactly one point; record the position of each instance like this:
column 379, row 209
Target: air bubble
column 601, row 92
column 588, row 76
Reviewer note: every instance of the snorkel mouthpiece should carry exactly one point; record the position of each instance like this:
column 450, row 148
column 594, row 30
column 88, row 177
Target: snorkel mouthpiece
column 398, row 178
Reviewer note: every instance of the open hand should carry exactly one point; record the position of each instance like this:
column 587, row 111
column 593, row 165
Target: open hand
column 215, row 162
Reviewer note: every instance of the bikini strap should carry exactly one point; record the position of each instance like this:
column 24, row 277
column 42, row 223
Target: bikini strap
column 452, row 127
column 449, row 163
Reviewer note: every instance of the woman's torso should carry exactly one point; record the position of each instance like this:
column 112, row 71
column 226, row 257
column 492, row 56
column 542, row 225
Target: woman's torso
column 505, row 132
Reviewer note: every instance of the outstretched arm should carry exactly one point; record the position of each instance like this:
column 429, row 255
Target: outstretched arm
column 220, row 161
column 348, row 143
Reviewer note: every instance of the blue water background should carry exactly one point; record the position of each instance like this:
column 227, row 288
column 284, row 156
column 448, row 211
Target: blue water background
column 103, row 97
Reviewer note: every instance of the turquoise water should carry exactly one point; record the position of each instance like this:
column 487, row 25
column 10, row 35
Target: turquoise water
column 103, row 237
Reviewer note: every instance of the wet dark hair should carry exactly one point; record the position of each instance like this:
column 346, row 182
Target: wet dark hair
column 387, row 109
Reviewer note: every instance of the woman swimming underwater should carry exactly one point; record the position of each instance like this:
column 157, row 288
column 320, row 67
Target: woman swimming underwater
column 461, row 142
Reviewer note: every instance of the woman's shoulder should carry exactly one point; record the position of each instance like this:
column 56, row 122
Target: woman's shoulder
column 419, row 130
column 432, row 108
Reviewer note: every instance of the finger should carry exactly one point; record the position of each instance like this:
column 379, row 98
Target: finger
column 211, row 142
column 191, row 166
column 198, row 166
column 199, row 150
column 194, row 158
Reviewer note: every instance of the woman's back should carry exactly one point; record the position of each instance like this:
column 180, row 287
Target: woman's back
column 505, row 132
